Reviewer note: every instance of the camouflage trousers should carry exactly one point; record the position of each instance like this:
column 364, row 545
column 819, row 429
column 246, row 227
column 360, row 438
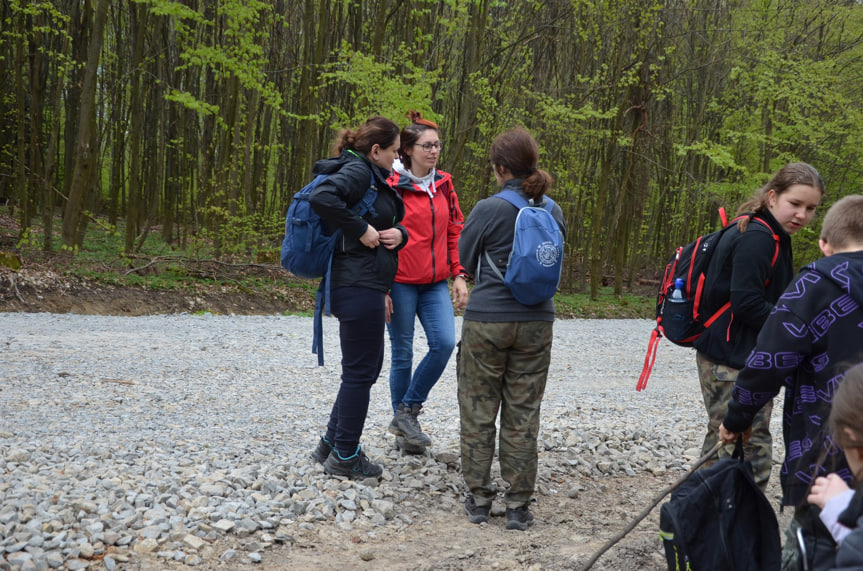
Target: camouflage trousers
column 502, row 367
column 717, row 382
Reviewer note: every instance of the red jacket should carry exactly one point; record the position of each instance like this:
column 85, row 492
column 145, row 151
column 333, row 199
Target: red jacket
column 434, row 225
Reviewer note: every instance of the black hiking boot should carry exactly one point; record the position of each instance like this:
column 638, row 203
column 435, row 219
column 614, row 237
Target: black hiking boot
column 518, row 518
column 475, row 513
column 406, row 425
column 356, row 467
column 322, row 450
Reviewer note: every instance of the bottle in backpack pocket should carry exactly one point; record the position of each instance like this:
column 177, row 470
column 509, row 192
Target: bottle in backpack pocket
column 676, row 315
column 677, row 296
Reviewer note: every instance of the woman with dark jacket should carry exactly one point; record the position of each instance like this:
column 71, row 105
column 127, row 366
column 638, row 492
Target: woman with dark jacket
column 505, row 348
column 421, row 289
column 752, row 266
column 364, row 265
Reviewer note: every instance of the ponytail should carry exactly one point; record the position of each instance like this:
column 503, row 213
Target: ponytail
column 517, row 150
column 376, row 131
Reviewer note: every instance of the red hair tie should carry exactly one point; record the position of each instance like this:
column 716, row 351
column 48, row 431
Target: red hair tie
column 416, row 117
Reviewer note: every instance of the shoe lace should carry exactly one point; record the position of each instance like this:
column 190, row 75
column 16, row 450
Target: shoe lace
column 413, row 422
column 364, row 463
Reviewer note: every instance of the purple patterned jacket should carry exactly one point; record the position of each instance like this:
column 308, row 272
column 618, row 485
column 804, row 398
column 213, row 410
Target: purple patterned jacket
column 814, row 334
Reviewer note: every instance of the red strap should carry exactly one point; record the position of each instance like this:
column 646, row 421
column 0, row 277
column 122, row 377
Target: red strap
column 716, row 315
column 722, row 216
column 728, row 331
column 649, row 358
column 692, row 266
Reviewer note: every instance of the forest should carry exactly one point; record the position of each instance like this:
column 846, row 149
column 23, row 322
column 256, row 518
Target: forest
column 197, row 120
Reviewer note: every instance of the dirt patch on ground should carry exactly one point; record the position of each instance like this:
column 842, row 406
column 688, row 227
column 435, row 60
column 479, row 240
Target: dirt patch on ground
column 42, row 289
column 566, row 533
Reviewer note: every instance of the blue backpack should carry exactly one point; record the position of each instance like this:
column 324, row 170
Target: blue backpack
column 308, row 246
column 535, row 263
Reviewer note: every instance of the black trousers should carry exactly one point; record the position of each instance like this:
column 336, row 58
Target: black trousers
column 360, row 312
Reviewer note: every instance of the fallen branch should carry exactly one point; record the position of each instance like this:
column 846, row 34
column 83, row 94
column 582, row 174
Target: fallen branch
column 653, row 504
column 14, row 285
column 195, row 262
column 118, row 381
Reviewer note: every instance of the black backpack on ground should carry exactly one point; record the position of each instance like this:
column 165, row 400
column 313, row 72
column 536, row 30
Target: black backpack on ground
column 720, row 519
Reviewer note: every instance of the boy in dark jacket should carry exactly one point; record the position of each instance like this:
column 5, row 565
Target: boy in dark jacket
column 814, row 334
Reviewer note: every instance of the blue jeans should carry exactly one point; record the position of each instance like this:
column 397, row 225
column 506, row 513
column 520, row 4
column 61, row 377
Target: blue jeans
column 431, row 303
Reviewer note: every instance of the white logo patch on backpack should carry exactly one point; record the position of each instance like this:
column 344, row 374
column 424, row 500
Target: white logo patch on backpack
column 547, row 254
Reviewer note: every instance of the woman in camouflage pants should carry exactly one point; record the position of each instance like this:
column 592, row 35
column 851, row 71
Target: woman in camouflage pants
column 505, row 347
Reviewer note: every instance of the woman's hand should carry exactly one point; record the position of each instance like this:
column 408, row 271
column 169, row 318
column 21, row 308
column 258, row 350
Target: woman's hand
column 370, row 238
column 390, row 238
column 824, row 489
column 459, row 292
column 388, row 308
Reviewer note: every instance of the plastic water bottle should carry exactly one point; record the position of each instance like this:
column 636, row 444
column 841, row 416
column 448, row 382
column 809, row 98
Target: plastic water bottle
column 677, row 294
column 676, row 314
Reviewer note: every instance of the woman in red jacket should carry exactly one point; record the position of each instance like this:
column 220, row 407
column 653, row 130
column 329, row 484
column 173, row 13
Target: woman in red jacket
column 434, row 221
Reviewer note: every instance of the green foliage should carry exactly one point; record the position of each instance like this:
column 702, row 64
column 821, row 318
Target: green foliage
column 606, row 306
column 719, row 155
column 376, row 87
column 192, row 103
column 250, row 234
column 649, row 114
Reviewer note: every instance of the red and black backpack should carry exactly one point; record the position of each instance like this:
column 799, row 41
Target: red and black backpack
column 682, row 323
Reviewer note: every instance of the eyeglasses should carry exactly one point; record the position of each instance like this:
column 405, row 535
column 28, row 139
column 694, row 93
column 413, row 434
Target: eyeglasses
column 428, row 147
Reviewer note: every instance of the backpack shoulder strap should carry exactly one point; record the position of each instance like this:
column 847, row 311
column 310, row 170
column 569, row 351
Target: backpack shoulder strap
column 367, row 202
column 775, row 239
column 513, row 198
column 519, row 202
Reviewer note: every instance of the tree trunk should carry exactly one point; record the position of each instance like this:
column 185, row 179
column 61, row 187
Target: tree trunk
column 139, row 18
column 83, row 161
column 21, row 195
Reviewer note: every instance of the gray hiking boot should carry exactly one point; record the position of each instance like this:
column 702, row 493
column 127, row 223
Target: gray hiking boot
column 475, row 513
column 406, row 425
column 518, row 518
column 405, row 448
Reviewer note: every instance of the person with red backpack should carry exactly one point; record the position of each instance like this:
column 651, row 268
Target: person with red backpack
column 749, row 269
column 434, row 221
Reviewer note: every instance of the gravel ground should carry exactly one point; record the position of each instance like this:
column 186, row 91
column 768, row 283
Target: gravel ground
column 184, row 440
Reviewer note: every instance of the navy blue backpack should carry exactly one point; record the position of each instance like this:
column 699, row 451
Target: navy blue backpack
column 308, row 246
